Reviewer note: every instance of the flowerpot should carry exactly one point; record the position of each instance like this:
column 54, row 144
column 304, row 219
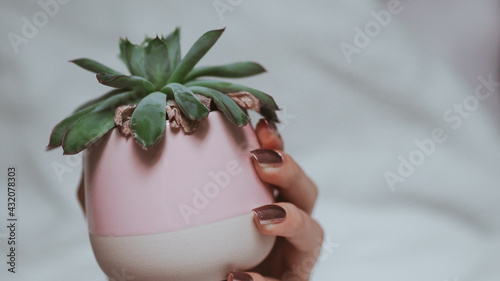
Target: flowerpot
column 180, row 210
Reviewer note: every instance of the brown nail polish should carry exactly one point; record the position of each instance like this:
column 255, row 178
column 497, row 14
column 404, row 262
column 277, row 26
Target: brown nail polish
column 271, row 126
column 269, row 214
column 267, row 157
column 239, row 276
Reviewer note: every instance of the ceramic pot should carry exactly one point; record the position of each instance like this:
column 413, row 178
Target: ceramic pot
column 178, row 211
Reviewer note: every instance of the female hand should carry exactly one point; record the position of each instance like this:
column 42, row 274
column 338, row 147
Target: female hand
column 299, row 236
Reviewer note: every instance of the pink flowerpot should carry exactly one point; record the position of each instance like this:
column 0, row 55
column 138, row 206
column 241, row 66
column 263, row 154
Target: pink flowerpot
column 179, row 211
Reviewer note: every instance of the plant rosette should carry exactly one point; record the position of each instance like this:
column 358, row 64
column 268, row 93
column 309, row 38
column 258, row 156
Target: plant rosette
column 169, row 181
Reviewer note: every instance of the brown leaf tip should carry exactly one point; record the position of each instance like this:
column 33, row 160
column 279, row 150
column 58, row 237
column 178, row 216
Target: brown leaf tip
column 245, row 100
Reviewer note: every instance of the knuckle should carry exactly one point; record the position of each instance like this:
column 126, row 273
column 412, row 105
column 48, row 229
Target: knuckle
column 290, row 175
column 297, row 219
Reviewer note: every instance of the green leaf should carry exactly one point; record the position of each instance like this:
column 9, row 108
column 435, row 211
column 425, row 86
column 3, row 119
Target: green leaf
column 122, row 55
column 187, row 102
column 174, row 48
column 267, row 103
column 135, row 58
column 101, row 98
column 60, row 129
column 149, row 119
column 86, row 130
column 229, row 108
column 157, row 64
column 270, row 114
column 117, row 100
column 126, row 82
column 110, row 104
column 197, row 51
column 146, row 41
column 233, row 70
column 94, row 66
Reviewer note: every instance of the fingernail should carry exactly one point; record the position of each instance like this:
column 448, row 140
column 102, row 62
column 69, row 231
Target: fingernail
column 270, row 214
column 271, row 126
column 239, row 276
column 267, row 157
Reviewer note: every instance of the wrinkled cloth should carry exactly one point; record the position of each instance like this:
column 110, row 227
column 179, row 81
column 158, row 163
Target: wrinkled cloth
column 390, row 126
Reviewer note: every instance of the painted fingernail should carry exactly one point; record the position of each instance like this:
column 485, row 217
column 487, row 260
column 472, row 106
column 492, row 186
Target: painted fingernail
column 239, row 276
column 271, row 126
column 267, row 157
column 270, row 214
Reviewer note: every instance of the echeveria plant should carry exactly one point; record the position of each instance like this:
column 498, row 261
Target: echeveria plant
column 162, row 86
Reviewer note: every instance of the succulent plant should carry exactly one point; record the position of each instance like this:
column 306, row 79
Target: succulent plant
column 161, row 87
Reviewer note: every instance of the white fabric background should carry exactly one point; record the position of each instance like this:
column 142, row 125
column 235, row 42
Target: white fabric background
column 346, row 124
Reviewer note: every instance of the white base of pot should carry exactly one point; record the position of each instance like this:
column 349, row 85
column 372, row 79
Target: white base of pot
column 207, row 252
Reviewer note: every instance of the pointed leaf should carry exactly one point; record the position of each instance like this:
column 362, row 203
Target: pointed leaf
column 94, row 66
column 86, row 130
column 135, row 58
column 270, row 114
column 101, row 98
column 126, row 82
column 122, row 55
column 147, row 39
column 56, row 137
column 197, row 51
column 225, row 104
column 149, row 119
column 157, row 64
column 174, row 48
column 187, row 102
column 233, row 70
column 268, row 105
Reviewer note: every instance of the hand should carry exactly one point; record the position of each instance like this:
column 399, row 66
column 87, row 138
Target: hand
column 299, row 236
